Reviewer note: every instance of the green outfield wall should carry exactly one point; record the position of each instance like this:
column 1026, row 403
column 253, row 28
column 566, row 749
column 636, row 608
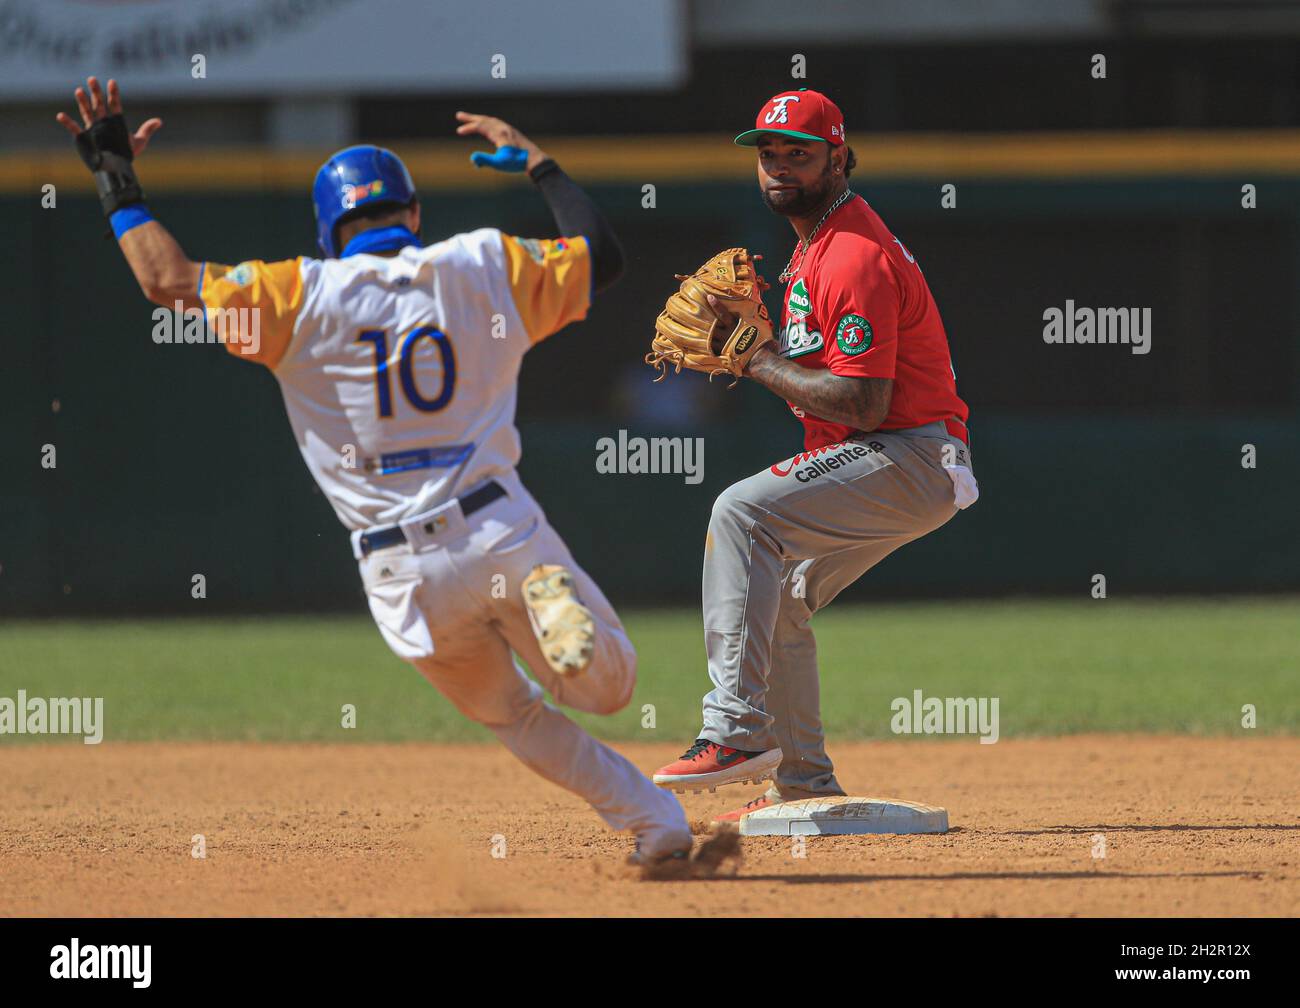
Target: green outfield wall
column 178, row 460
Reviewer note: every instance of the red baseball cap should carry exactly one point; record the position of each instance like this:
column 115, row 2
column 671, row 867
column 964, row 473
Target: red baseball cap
column 808, row 115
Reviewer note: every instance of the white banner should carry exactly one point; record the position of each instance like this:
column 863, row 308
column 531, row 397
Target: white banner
column 189, row 49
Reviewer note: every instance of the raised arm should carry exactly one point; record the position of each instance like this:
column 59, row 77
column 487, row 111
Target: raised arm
column 164, row 272
column 574, row 212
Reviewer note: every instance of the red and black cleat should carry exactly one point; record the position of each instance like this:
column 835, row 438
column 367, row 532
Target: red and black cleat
column 707, row 765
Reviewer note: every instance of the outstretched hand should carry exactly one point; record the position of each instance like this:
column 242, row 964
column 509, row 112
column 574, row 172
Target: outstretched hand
column 93, row 106
column 500, row 133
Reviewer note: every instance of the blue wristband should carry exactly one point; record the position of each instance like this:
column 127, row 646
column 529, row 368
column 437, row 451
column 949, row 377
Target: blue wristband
column 128, row 217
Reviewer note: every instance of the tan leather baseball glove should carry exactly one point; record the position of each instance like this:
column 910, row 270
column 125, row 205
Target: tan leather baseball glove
column 688, row 333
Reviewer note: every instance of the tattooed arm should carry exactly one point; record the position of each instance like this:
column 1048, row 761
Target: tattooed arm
column 862, row 403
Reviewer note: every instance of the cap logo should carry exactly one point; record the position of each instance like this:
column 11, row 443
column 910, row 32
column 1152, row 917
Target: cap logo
column 778, row 112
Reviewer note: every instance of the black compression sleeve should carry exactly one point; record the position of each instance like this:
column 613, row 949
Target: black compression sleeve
column 575, row 214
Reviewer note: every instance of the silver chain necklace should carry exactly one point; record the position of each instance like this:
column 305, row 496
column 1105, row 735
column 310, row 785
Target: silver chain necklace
column 792, row 267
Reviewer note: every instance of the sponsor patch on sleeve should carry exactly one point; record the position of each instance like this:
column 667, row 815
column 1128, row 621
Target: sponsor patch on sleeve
column 853, row 334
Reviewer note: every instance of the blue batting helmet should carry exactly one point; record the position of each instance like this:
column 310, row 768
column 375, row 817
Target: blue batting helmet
column 353, row 178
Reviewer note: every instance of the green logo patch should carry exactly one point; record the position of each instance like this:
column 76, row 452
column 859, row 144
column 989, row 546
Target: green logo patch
column 853, row 334
column 800, row 303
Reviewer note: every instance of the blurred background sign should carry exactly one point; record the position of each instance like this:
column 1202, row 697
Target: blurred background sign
column 311, row 47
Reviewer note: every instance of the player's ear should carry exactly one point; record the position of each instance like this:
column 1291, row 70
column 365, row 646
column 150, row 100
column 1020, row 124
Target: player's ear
column 414, row 216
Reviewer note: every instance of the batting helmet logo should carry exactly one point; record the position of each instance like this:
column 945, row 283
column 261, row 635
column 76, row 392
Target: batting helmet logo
column 353, row 194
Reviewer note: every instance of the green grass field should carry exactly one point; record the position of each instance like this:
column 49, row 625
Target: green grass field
column 1057, row 666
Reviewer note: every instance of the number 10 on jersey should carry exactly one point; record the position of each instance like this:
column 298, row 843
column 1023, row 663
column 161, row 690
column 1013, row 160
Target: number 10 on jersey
column 406, row 368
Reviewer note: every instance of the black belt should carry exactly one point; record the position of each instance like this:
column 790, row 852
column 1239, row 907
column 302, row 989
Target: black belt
column 392, row 535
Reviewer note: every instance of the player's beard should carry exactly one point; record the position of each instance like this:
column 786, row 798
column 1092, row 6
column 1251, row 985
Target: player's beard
column 804, row 201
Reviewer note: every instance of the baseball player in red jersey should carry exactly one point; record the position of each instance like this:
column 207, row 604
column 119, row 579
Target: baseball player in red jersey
column 862, row 360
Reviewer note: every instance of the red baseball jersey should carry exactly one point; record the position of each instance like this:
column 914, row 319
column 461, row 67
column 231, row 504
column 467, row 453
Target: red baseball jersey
column 859, row 306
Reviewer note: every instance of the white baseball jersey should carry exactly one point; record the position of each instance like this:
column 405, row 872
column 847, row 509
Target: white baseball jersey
column 399, row 373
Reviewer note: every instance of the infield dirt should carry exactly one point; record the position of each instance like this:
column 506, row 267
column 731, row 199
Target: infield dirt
column 1189, row 827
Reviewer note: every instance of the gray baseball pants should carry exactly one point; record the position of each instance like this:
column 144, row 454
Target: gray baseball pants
column 781, row 545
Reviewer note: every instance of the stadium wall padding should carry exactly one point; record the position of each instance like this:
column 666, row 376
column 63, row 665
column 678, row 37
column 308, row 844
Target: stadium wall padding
column 177, row 460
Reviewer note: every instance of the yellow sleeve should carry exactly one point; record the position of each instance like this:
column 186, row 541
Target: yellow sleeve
column 551, row 281
column 252, row 307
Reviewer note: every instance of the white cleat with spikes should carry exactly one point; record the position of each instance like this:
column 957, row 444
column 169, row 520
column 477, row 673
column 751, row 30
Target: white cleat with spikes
column 564, row 627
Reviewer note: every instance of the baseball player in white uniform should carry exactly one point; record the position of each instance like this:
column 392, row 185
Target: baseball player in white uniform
column 398, row 363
